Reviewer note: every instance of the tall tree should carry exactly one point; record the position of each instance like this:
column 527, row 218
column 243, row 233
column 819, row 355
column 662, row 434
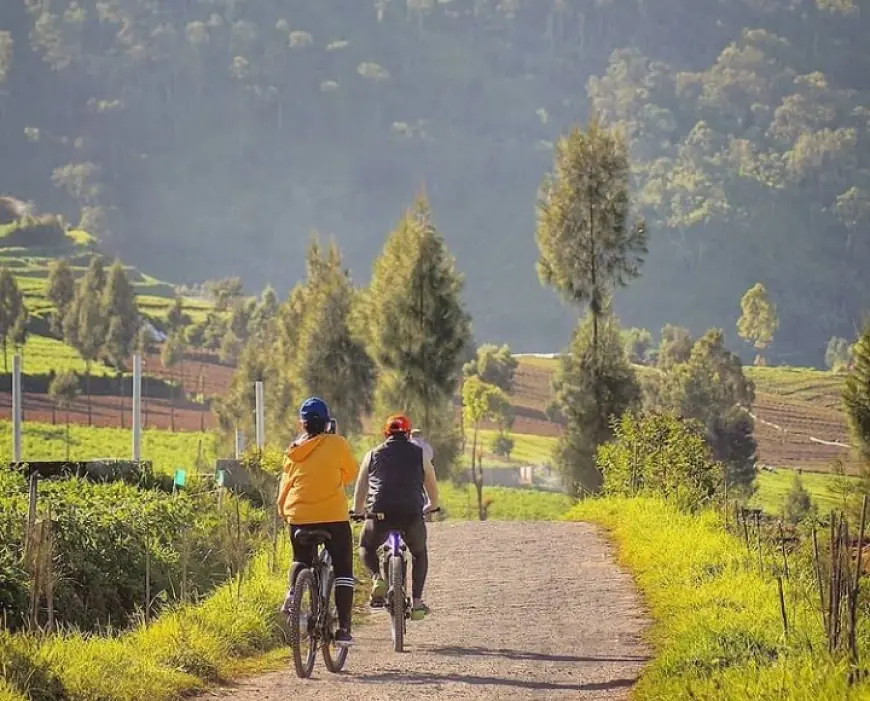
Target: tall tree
column 482, row 401
column 176, row 318
column 592, row 389
column 60, row 288
column 588, row 245
column 11, row 310
column 856, row 399
column 418, row 327
column 172, row 355
column 84, row 326
column 63, row 390
column 122, row 315
column 758, row 321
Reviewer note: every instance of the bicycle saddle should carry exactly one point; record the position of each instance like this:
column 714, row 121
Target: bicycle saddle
column 312, row 536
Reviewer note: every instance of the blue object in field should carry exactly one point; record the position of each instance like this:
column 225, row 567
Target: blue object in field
column 314, row 407
column 180, row 477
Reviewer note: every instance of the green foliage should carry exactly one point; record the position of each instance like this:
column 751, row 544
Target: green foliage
column 122, row 315
column 798, row 504
column 494, row 365
column 502, row 445
column 856, row 397
column 587, row 246
column 225, row 291
column 675, row 346
column 60, row 289
column 838, row 354
column 660, row 455
column 638, row 345
column 482, row 401
column 758, row 322
column 717, row 630
column 176, row 318
column 591, row 389
column 12, row 309
column 417, row 326
column 712, row 388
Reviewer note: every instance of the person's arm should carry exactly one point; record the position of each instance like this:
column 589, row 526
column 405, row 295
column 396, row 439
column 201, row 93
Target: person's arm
column 362, row 486
column 430, row 483
column 284, row 488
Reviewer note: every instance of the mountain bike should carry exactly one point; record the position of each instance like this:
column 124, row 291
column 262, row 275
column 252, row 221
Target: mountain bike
column 313, row 624
column 395, row 563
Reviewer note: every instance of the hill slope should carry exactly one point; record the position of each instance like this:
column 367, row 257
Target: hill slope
column 210, row 137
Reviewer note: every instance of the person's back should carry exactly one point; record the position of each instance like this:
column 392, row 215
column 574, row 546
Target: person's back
column 396, row 476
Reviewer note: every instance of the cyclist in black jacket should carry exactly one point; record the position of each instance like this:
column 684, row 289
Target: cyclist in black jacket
column 391, row 481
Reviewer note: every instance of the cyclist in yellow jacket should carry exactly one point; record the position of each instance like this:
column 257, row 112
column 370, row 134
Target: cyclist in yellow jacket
column 317, row 469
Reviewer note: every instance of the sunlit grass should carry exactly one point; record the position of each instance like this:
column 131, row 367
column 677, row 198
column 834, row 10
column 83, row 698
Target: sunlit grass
column 717, row 630
column 165, row 449
column 508, row 503
column 772, row 489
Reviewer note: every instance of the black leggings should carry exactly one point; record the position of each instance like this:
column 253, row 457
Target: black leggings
column 413, row 530
column 340, row 549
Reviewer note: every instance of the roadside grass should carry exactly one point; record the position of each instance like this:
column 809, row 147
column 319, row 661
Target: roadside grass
column 165, row 449
column 717, row 631
column 508, row 503
column 180, row 653
column 774, row 486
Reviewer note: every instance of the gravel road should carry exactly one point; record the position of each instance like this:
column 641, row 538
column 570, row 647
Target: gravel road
column 519, row 611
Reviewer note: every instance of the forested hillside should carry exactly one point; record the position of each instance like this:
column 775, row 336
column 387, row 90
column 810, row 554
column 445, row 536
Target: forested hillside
column 200, row 138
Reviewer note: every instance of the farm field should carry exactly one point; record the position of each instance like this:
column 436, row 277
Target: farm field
column 772, row 488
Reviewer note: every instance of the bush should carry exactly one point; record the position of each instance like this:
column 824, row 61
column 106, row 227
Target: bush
column 502, row 445
column 659, row 454
column 797, row 504
column 35, row 231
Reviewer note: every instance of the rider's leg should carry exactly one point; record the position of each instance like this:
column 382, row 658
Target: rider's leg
column 372, row 537
column 415, row 538
column 340, row 548
column 303, row 556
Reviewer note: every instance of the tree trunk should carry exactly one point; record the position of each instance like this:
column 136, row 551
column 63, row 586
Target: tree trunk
column 172, row 390
column 5, row 357
column 88, row 388
column 477, row 476
column 67, row 432
column 54, row 414
column 121, row 396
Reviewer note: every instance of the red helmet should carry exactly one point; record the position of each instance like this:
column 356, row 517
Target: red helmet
column 397, row 423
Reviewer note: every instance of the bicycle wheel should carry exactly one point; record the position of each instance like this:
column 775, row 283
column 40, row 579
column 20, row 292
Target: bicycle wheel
column 334, row 656
column 303, row 617
column 397, row 602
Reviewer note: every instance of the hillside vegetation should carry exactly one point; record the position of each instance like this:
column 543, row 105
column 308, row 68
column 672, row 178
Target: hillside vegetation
column 209, row 137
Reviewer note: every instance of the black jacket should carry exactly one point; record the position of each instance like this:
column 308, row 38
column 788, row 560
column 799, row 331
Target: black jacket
column 396, row 478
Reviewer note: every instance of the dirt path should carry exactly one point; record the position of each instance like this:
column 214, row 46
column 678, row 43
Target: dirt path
column 506, row 622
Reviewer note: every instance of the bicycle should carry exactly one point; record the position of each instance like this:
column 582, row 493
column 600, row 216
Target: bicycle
column 315, row 624
column 395, row 564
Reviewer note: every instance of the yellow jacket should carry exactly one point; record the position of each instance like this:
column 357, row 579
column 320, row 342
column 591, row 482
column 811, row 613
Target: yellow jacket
column 316, row 473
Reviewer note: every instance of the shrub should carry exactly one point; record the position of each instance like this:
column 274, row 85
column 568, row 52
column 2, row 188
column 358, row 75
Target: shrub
column 659, row 454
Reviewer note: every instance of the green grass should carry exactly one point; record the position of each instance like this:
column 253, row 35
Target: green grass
column 717, row 632
column 165, row 449
column 803, row 384
column 508, row 503
column 528, row 449
column 42, row 354
column 178, row 655
column 773, row 487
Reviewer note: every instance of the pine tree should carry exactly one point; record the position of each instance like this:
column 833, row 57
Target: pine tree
column 85, row 324
column 63, row 390
column 590, row 401
column 122, row 316
column 419, row 329
column 856, row 399
column 60, row 288
column 11, row 310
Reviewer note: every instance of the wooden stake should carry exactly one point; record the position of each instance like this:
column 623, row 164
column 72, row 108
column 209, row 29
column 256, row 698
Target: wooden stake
column 782, row 606
column 784, row 553
column 818, row 567
column 853, row 598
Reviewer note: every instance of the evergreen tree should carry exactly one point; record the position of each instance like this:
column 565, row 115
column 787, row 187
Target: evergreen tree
column 176, row 318
column 587, row 245
column 493, row 365
column 122, row 316
column 856, row 399
column 797, row 504
column 60, row 288
column 85, row 324
column 418, row 327
column 590, row 401
column 63, row 390
column 11, row 311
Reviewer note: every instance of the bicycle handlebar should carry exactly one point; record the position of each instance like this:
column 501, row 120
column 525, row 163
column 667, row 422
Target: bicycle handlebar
column 380, row 516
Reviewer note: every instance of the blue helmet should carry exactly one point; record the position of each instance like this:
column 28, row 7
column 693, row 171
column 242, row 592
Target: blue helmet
column 314, row 408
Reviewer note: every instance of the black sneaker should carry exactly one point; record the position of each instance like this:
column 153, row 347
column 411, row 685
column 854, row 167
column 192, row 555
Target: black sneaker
column 343, row 638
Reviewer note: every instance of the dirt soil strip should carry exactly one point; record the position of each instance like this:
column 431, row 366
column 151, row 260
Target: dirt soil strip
column 519, row 611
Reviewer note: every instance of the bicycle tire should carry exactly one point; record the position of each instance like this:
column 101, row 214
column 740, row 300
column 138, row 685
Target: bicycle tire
column 397, row 602
column 304, row 581
column 334, row 663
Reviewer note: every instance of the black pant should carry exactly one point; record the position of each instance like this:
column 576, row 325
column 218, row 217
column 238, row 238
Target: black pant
column 413, row 530
column 340, row 549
